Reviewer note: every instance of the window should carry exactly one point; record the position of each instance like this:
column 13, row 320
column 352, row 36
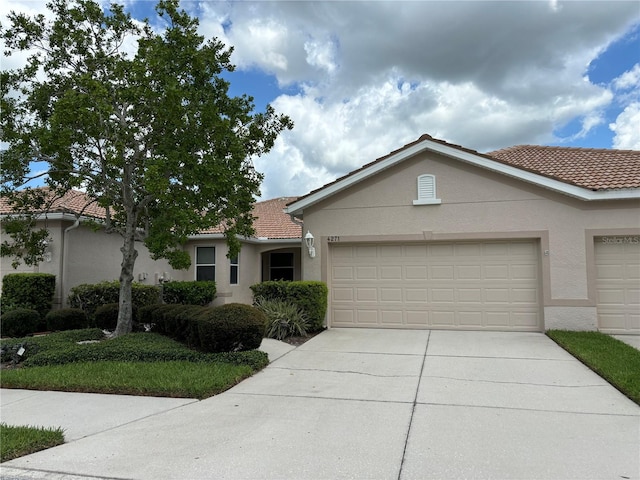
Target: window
column 281, row 266
column 234, row 264
column 205, row 263
column 427, row 191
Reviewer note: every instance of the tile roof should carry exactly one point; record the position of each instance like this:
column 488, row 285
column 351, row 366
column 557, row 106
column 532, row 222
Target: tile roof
column 270, row 220
column 73, row 201
column 594, row 169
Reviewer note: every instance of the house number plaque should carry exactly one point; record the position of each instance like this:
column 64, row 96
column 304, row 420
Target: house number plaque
column 333, row 238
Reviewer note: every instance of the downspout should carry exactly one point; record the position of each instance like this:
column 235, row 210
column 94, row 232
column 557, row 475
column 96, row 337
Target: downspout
column 301, row 225
column 62, row 257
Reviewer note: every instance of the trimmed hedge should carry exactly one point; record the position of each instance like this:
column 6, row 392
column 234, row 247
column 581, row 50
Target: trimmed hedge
column 89, row 297
column 66, row 319
column 310, row 296
column 230, row 328
column 189, row 293
column 19, row 322
column 28, row 290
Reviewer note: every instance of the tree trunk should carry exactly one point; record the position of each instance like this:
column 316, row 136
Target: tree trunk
column 125, row 311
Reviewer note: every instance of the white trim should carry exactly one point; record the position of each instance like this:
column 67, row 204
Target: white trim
column 428, row 201
column 296, row 208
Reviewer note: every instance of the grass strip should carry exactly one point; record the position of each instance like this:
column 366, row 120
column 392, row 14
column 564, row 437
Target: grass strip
column 615, row 361
column 178, row 379
column 18, row 441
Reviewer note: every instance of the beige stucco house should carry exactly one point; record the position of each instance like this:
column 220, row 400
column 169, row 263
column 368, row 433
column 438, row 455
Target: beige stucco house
column 434, row 235
column 77, row 254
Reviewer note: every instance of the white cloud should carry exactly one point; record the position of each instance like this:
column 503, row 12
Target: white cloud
column 629, row 79
column 481, row 74
column 627, row 128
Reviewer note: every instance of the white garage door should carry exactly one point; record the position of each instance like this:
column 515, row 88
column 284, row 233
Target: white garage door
column 618, row 284
column 461, row 285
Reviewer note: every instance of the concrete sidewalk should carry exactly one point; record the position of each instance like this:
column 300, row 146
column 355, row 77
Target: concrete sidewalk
column 362, row 404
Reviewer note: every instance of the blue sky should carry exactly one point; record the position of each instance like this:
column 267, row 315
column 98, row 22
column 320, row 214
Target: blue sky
column 361, row 79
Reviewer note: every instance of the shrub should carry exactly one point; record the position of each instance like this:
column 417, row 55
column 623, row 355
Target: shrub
column 89, row 297
column 310, row 296
column 189, row 293
column 19, row 322
column 284, row 318
column 106, row 316
column 231, row 327
column 66, row 319
column 28, row 290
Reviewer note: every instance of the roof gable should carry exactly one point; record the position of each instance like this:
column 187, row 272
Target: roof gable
column 619, row 169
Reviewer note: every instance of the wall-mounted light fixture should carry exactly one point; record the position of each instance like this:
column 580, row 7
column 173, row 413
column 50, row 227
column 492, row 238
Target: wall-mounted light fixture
column 309, row 241
column 47, row 255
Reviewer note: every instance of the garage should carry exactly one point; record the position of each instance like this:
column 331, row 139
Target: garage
column 492, row 285
column 617, row 261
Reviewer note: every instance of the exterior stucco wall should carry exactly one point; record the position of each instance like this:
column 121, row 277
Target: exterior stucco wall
column 476, row 204
column 92, row 257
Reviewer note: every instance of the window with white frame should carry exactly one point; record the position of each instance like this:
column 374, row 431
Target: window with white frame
column 234, row 269
column 205, row 263
column 427, row 191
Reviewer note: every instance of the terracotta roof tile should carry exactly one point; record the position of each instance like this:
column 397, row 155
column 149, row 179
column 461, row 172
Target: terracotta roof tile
column 594, row 169
column 270, row 220
column 73, row 201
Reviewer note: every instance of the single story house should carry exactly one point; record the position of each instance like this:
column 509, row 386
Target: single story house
column 432, row 235
column 77, row 254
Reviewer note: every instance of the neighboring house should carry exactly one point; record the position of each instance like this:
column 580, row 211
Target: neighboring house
column 77, row 254
column 434, row 235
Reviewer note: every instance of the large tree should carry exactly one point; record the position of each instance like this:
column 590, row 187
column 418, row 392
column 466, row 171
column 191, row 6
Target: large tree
column 138, row 118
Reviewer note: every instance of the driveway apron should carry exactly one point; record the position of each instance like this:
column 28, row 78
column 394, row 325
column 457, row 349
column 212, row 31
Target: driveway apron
column 378, row 404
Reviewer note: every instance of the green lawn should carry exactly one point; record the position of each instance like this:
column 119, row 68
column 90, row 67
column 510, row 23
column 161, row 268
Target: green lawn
column 18, row 441
column 613, row 360
column 134, row 364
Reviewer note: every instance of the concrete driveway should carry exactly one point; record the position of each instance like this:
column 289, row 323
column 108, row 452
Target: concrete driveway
column 372, row 404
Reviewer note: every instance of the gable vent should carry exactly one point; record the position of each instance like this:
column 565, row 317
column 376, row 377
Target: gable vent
column 427, row 191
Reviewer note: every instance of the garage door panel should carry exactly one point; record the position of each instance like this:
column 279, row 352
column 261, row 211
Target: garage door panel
column 469, row 272
column 438, row 285
column 618, row 284
column 416, row 272
column 391, row 295
column 524, row 271
column 391, row 272
column 442, row 272
column 342, row 294
column 367, row 317
column 366, row 273
column 391, row 317
column 418, row 318
column 416, row 295
column 366, row 294
column 470, row 319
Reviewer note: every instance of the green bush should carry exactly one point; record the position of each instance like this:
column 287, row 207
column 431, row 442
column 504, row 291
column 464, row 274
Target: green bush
column 61, row 348
column 106, row 316
column 189, row 293
column 284, row 318
column 66, row 319
column 229, row 328
column 89, row 297
column 19, row 322
column 28, row 290
column 310, row 296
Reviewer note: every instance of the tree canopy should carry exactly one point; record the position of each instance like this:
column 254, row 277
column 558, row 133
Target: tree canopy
column 140, row 119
